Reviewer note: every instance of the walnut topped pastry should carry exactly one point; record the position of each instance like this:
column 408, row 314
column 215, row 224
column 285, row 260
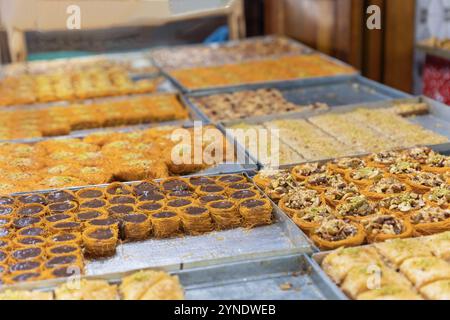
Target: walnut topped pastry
column 339, row 192
column 402, row 168
column 364, row 176
column 383, row 159
column 383, row 227
column 324, row 180
column 342, row 165
column 418, row 154
column 439, row 196
column 334, row 233
column 282, row 184
column 387, row 185
column 404, row 203
column 299, row 199
column 356, row 207
column 422, row 182
column 312, row 217
column 302, row 171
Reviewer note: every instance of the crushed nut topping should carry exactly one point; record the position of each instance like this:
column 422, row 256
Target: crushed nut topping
column 350, row 163
column 283, row 183
column 384, row 224
column 366, row 173
column 388, row 157
column 430, row 214
column 419, row 154
column 404, row 167
column 325, row 180
column 303, row 198
column 309, row 169
column 388, row 186
column 342, row 191
column 440, row 195
column 428, row 179
column 356, row 206
column 403, row 202
column 317, row 214
column 336, row 230
column 438, row 160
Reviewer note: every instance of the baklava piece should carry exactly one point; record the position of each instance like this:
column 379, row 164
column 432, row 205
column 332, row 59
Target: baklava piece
column 299, row 200
column 87, row 290
column 382, row 227
column 422, row 182
column 255, row 212
column 390, row 292
column 398, row 250
column 341, row 166
column 196, row 220
column 356, row 207
column 312, row 217
column 404, row 203
column 335, row 233
column 364, row 177
column 430, row 220
column 439, row 196
column 439, row 290
column 136, row 226
column 384, row 187
column 100, row 242
column 225, row 214
column 303, row 171
column 165, row 224
column 424, row 270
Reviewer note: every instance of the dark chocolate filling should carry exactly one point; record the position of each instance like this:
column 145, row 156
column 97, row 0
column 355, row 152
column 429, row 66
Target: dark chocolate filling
column 24, row 266
column 178, row 203
column 60, row 196
column 150, row 206
column 30, row 210
column 33, row 231
column 61, row 207
column 121, row 209
column 222, row 204
column 90, row 194
column 135, row 218
column 62, row 272
column 64, row 237
column 28, row 253
column 103, row 222
column 164, row 214
column 25, row 276
column 2, row 269
column 57, row 217
column 181, row 194
column 230, row 179
column 118, row 190
column 211, row 197
column 31, row 240
column 3, row 221
column 201, row 181
column 243, row 194
column 175, row 185
column 92, row 204
column 67, row 224
column 240, row 186
column 211, row 188
column 89, row 215
column 4, row 232
column 252, row 203
column 144, row 187
column 152, row 196
column 2, row 256
column 6, row 200
column 3, row 244
column 6, row 210
column 25, row 222
column 122, row 200
column 63, row 249
column 101, row 234
column 195, row 210
column 61, row 260
column 32, row 198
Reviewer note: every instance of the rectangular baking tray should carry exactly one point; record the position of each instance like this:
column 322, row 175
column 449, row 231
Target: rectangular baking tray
column 331, row 91
column 288, row 277
column 438, row 120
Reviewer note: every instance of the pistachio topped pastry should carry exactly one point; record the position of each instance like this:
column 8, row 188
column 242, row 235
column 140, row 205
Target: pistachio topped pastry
column 438, row 160
column 388, row 185
column 419, row 154
column 404, row 167
column 341, row 191
column 427, row 179
column 350, row 163
column 357, row 206
column 369, row 173
column 325, row 180
column 385, row 224
column 439, row 195
column 384, row 158
column 317, row 213
column 309, row 169
column 335, row 230
column 430, row 215
column 302, row 198
column 283, row 183
column 403, row 202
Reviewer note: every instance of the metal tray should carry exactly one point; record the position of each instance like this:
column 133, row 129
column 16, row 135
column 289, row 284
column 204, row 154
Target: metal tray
column 261, row 279
column 438, row 120
column 338, row 91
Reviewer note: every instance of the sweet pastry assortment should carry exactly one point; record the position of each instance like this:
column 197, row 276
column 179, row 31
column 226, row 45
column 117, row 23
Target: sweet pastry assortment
column 352, row 201
column 282, row 68
column 399, row 269
column 232, row 52
column 47, row 235
column 248, row 103
column 81, row 84
column 62, row 120
column 333, row 135
column 108, row 156
column 142, row 285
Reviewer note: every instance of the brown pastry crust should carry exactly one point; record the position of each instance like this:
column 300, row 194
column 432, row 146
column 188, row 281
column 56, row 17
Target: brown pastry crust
column 136, row 226
column 165, row 224
column 355, row 240
column 90, row 193
column 225, row 214
column 196, row 220
column 65, row 238
column 256, row 212
column 100, row 242
column 149, row 207
column 406, row 230
column 63, row 207
column 65, row 227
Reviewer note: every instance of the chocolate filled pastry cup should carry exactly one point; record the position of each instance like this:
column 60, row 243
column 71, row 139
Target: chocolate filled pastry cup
column 60, row 217
column 121, row 200
column 88, row 215
column 90, row 193
column 196, row 220
column 32, row 231
column 60, row 196
column 178, row 204
column 5, row 222
column 31, row 199
column 7, row 211
column 66, row 260
column 24, row 222
column 136, row 226
column 7, row 201
column 256, row 212
column 62, row 207
column 381, row 227
column 100, row 242
column 5, row 245
column 25, row 266
column 119, row 210
column 6, row 233
column 149, row 207
column 145, row 187
column 195, row 182
column 3, row 256
column 242, row 195
column 152, row 196
column 63, row 249
column 204, row 200
column 233, row 187
column 32, row 210
column 165, row 224
column 62, row 272
column 174, row 184
column 28, row 241
column 231, row 178
column 225, row 214
column 3, row 270
column 65, row 227
column 93, row 204
column 108, row 222
column 65, row 238
column 210, row 189
column 118, row 189
column 21, row 277
column 27, row 253
column 181, row 194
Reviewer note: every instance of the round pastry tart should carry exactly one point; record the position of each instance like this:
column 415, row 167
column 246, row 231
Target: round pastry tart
column 403, row 203
column 108, row 222
column 149, row 207
column 25, row 222
column 256, row 212
column 32, row 231
column 65, row 238
column 178, row 204
column 195, row 182
column 27, row 253
column 119, row 210
column 136, row 226
column 210, row 189
column 100, row 242
column 32, row 198
column 242, row 195
column 62, row 207
column 265, row 177
column 439, row 196
column 64, row 260
column 225, row 214
column 365, row 176
column 430, row 220
column 174, row 184
column 336, row 233
column 145, row 187
column 181, row 194
column 385, row 187
column 231, row 178
column 299, row 200
column 152, row 196
column 7, row 211
column 339, row 192
column 87, row 215
column 320, row 182
column 165, row 224
column 60, row 196
column 196, row 220
column 355, row 208
column 121, row 200
column 303, row 171
column 90, row 193
column 63, row 249
column 423, row 182
column 65, row 226
column 232, row 187
column 417, row 154
column 382, row 159
column 210, row 198
column 32, row 210
column 93, row 204
column 437, row 163
column 282, row 184
column 27, row 241
column 402, row 169
column 118, row 189
column 383, row 227
column 343, row 165
column 312, row 217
